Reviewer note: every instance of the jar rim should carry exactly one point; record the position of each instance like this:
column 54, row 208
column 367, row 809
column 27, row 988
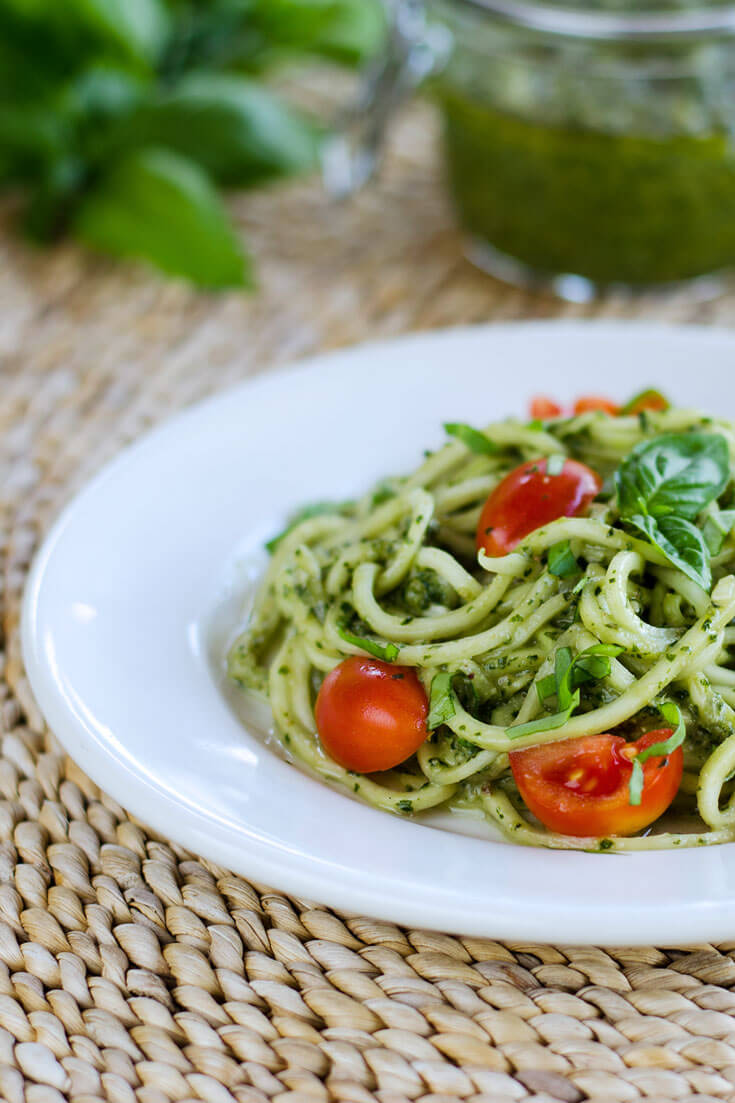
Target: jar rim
column 575, row 23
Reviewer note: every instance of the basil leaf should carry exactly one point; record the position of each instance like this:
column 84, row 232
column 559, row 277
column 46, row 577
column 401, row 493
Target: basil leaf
column 441, row 700
column 156, row 205
column 672, row 714
column 385, row 651
column 673, row 474
column 344, row 30
column 48, row 205
column 718, row 524
column 561, row 561
column 135, row 28
column 313, row 509
column 681, row 542
column 471, row 438
column 234, row 128
column 32, row 141
column 545, row 723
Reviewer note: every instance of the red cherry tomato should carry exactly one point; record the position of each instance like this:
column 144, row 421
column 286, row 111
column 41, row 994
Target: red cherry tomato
column 596, row 402
column 542, row 408
column 371, row 715
column 580, row 786
column 528, row 498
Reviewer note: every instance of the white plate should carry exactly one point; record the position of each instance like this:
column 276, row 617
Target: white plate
column 123, row 621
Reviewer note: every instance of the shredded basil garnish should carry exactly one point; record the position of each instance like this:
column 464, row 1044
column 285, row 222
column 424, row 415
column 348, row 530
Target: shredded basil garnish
column 672, row 714
column 386, row 651
column 545, row 723
column 555, row 464
column 441, row 700
column 315, row 509
column 561, row 560
column 471, row 438
column 564, row 684
column 639, row 400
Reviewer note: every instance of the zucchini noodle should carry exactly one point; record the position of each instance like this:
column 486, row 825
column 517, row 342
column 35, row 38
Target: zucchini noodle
column 398, row 569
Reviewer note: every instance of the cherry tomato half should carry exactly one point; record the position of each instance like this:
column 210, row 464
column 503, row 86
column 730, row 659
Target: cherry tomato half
column 542, row 408
column 528, row 498
column 589, row 402
column 580, row 786
column 371, row 715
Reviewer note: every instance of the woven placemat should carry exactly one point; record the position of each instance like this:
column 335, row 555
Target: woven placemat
column 132, row 970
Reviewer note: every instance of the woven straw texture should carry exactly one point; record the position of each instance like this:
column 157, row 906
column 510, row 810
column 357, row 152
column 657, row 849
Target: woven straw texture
column 131, row 970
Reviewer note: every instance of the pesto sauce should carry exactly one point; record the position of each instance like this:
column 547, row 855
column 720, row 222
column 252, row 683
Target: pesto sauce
column 611, row 207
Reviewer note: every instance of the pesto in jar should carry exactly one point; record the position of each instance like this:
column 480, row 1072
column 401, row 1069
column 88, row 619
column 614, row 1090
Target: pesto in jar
column 613, row 207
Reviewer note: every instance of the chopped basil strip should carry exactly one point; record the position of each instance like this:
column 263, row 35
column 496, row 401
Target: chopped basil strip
column 546, row 687
column 672, row 714
column 569, row 674
column 563, row 665
column 386, row 651
column 471, row 438
column 555, row 464
column 315, row 509
column 591, row 667
column 638, row 401
column 561, row 560
column 441, row 700
column 544, row 723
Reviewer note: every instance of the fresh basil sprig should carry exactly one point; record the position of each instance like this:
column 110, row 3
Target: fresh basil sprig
column 664, row 484
column 121, row 119
column 672, row 714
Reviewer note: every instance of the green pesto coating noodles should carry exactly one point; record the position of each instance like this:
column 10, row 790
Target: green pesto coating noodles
column 399, row 567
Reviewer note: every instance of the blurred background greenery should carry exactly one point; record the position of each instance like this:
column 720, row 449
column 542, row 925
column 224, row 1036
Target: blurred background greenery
column 122, row 120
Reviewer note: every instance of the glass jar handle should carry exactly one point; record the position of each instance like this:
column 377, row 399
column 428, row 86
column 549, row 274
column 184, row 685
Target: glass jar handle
column 413, row 51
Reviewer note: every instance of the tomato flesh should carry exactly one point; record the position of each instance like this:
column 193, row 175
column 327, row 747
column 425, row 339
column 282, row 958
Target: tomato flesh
column 371, row 715
column 589, row 402
column 581, row 786
column 529, row 498
column 543, row 408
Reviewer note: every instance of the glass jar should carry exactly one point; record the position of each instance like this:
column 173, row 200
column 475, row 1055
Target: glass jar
column 585, row 147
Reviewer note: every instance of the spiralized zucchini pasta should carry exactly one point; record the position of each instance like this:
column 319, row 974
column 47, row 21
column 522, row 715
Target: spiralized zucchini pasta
column 536, row 626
